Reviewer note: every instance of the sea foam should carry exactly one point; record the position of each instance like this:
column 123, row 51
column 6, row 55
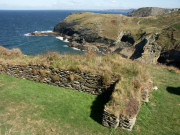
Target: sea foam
column 27, row 34
column 76, row 49
column 47, row 31
column 65, row 45
column 61, row 38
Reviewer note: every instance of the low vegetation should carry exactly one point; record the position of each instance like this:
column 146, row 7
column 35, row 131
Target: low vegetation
column 33, row 108
column 110, row 66
column 133, row 78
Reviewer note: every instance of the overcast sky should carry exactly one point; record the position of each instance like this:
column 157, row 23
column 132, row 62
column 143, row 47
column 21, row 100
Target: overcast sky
column 85, row 4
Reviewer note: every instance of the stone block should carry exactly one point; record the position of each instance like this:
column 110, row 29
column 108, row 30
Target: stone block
column 110, row 120
column 145, row 95
column 127, row 123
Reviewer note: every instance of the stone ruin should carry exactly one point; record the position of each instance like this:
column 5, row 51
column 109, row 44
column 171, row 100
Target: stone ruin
column 83, row 82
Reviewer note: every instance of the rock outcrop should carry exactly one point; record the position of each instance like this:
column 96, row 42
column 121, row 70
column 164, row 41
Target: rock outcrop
column 43, row 33
column 142, row 39
column 81, row 33
column 151, row 11
column 148, row 50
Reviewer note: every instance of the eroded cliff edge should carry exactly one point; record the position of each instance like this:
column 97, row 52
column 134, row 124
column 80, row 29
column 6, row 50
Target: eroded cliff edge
column 145, row 39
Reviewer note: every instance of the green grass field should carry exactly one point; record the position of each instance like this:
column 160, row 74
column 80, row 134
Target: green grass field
column 33, row 108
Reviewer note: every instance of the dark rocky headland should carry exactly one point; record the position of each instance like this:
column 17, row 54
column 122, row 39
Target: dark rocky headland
column 152, row 11
column 149, row 39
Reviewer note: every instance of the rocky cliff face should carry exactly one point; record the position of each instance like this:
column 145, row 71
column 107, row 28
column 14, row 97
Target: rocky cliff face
column 151, row 11
column 82, row 32
column 142, row 39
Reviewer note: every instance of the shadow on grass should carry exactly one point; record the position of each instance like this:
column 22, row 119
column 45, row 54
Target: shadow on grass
column 173, row 90
column 97, row 107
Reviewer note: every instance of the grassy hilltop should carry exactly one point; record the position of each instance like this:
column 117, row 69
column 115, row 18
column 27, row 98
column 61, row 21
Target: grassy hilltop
column 110, row 25
column 152, row 11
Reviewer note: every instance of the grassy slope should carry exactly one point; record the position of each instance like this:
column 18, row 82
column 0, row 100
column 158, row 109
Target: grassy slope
column 161, row 115
column 28, row 107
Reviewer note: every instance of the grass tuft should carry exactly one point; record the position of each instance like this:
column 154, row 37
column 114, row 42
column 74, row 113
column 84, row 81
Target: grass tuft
column 55, row 78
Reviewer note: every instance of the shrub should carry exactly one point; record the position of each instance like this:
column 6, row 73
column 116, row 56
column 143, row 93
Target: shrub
column 106, row 79
column 137, row 84
column 5, row 67
column 113, row 21
column 51, row 56
column 55, row 78
column 44, row 72
column 13, row 52
column 34, row 72
column 74, row 68
column 16, row 52
column 71, row 77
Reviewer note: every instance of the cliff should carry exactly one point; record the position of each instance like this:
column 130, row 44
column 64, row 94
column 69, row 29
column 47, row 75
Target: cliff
column 143, row 39
column 151, row 11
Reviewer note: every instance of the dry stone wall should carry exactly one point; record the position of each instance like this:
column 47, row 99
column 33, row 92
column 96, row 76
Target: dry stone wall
column 83, row 82
column 110, row 120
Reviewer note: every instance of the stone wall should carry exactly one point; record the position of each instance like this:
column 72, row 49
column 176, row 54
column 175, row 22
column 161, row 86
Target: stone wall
column 83, row 82
column 110, row 120
column 124, row 118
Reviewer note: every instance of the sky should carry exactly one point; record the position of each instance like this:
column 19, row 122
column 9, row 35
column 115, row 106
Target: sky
column 84, row 4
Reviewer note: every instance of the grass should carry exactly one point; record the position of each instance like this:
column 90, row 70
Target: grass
column 37, row 108
column 110, row 67
column 161, row 115
column 33, row 108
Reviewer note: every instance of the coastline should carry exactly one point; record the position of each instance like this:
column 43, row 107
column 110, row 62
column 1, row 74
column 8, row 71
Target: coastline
column 99, row 48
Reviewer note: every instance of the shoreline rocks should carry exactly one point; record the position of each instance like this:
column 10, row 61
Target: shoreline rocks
column 43, row 33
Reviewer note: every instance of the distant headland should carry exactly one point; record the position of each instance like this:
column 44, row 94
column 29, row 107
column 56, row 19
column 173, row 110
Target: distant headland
column 149, row 35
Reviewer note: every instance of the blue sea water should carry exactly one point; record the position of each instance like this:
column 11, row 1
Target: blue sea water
column 15, row 24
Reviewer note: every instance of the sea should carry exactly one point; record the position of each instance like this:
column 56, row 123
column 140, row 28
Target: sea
column 16, row 24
